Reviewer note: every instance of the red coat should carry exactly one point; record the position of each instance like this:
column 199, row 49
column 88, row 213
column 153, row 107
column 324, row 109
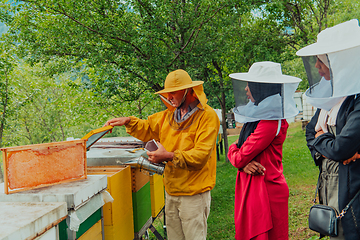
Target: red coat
column 261, row 202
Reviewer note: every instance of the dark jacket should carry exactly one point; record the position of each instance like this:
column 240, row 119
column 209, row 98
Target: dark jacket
column 339, row 148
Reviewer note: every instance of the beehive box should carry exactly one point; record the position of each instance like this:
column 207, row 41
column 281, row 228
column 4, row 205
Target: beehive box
column 23, row 220
column 84, row 200
column 157, row 194
column 141, row 198
column 38, row 165
column 118, row 215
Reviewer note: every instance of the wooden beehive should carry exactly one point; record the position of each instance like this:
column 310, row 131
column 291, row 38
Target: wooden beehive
column 157, row 194
column 141, row 199
column 38, row 165
column 118, row 215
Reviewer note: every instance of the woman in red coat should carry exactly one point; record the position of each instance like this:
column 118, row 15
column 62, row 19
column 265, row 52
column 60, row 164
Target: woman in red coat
column 261, row 191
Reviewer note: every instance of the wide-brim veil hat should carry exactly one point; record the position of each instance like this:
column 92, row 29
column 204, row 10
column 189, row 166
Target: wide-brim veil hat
column 272, row 93
column 265, row 72
column 340, row 37
column 338, row 47
column 179, row 80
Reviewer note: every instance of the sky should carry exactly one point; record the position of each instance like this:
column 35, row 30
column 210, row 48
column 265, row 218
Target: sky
column 3, row 28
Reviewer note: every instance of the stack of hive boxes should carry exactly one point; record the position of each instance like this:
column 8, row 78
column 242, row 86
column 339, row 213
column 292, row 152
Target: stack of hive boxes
column 146, row 191
column 57, row 172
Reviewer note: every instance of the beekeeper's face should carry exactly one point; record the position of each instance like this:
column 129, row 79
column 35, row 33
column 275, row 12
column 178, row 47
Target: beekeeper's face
column 323, row 69
column 176, row 98
column 248, row 93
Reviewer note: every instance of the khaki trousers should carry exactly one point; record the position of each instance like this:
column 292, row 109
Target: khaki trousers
column 186, row 216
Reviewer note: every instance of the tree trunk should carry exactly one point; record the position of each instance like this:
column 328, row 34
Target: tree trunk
column 223, row 116
column 222, row 102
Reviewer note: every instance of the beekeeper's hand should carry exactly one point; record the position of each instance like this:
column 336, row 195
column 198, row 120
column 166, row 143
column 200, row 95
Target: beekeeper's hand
column 352, row 159
column 321, row 132
column 117, row 121
column 160, row 155
column 254, row 168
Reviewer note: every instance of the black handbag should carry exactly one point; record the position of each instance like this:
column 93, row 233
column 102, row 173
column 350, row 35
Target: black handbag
column 324, row 219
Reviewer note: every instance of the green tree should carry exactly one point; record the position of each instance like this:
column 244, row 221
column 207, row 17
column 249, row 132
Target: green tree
column 49, row 109
column 131, row 45
column 123, row 50
column 7, row 108
column 7, row 64
column 124, row 41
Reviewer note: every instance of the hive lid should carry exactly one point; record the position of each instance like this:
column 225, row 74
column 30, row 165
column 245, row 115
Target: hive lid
column 111, row 156
column 94, row 135
column 22, row 220
column 74, row 193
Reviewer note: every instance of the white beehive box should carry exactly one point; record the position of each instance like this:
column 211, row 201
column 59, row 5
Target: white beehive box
column 39, row 221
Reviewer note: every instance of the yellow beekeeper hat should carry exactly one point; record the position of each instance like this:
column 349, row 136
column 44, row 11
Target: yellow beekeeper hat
column 178, row 80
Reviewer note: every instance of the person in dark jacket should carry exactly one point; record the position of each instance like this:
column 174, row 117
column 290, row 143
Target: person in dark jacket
column 333, row 134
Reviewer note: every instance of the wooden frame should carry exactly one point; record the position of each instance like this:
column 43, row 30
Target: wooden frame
column 49, row 154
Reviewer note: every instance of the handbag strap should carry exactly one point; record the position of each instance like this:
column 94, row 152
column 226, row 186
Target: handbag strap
column 343, row 212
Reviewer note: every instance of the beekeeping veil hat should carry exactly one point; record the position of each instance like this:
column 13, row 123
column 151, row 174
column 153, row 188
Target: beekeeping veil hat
column 179, row 80
column 338, row 47
column 273, row 93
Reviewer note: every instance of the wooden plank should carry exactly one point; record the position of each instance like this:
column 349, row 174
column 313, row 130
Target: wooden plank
column 139, row 179
column 44, row 185
column 104, row 169
column 33, row 146
column 6, row 183
column 94, row 233
column 85, row 162
column 157, row 194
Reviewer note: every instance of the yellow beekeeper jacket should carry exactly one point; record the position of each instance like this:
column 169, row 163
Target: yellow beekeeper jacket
column 193, row 168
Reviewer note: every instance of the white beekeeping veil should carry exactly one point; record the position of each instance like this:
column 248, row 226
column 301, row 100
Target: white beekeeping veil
column 337, row 47
column 272, row 92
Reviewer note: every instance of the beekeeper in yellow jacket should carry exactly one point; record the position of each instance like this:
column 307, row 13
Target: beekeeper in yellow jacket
column 186, row 134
